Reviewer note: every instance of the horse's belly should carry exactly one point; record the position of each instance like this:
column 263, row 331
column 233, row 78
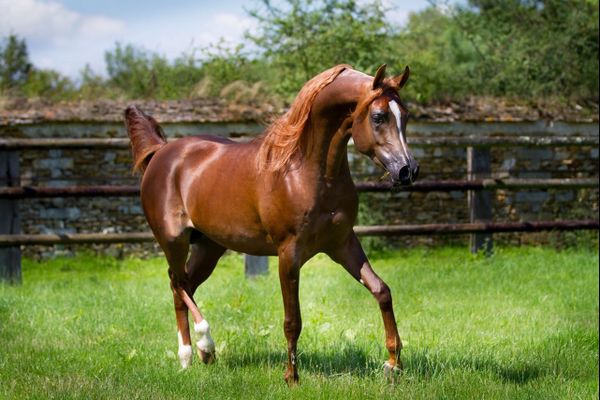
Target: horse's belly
column 257, row 245
column 234, row 229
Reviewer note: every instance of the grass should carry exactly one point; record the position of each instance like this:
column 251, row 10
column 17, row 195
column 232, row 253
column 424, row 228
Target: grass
column 522, row 324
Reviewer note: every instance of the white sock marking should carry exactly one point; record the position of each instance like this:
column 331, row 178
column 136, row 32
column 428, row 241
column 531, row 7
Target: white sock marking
column 184, row 353
column 205, row 343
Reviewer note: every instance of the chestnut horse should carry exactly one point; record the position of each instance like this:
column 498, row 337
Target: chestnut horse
column 288, row 193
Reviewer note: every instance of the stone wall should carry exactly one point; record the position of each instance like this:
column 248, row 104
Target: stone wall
column 60, row 167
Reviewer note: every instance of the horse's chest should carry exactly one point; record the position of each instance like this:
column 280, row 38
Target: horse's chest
column 334, row 219
column 336, row 222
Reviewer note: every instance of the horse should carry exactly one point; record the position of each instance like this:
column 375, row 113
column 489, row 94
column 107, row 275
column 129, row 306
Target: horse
column 288, row 193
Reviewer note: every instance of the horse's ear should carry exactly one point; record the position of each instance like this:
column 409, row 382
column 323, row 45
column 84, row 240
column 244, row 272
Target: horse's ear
column 400, row 80
column 379, row 75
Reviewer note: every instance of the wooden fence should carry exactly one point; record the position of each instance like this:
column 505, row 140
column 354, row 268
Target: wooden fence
column 478, row 185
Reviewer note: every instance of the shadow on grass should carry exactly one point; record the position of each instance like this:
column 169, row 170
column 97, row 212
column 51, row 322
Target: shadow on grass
column 348, row 360
column 426, row 364
column 354, row 360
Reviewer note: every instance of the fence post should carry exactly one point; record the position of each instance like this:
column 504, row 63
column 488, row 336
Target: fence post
column 10, row 257
column 480, row 201
column 255, row 265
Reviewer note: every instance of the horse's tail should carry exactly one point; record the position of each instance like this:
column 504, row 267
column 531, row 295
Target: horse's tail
column 146, row 137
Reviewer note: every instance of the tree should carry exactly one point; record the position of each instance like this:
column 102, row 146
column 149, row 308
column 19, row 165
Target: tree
column 48, row 84
column 14, row 63
column 534, row 48
column 303, row 38
column 129, row 70
column 440, row 57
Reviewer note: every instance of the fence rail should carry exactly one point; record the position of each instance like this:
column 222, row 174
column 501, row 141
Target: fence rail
column 449, row 141
column 24, row 192
column 372, row 230
column 478, row 185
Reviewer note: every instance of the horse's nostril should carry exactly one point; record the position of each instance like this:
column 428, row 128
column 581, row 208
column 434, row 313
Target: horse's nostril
column 415, row 173
column 404, row 175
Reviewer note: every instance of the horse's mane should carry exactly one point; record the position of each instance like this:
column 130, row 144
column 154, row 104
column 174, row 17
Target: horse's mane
column 283, row 137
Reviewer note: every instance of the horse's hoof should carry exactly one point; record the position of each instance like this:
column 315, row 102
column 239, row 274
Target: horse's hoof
column 291, row 378
column 206, row 357
column 392, row 372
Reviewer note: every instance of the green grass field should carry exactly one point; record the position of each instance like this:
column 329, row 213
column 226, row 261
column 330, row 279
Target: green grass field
column 522, row 324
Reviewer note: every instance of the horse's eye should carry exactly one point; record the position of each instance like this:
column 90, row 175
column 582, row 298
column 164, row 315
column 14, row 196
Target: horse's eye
column 378, row 118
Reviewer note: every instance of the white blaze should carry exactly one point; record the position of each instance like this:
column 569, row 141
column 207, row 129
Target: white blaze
column 396, row 111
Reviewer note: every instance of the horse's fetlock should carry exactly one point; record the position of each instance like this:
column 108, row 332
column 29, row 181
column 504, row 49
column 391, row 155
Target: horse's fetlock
column 394, row 345
column 205, row 343
column 185, row 355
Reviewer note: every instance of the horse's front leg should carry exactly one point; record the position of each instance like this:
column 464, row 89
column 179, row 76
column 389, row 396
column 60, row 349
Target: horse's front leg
column 352, row 257
column 289, row 278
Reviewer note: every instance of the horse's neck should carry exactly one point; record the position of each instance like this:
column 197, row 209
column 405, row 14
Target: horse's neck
column 337, row 152
column 331, row 122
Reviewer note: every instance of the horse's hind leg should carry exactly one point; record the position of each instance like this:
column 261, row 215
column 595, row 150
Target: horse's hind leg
column 185, row 278
column 183, row 329
column 176, row 250
column 203, row 258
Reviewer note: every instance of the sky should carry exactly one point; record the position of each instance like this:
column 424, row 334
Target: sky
column 65, row 35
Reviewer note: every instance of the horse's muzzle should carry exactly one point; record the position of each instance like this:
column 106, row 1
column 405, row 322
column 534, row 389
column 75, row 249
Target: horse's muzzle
column 408, row 174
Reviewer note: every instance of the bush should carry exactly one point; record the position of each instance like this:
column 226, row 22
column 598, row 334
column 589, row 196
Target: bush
column 48, row 84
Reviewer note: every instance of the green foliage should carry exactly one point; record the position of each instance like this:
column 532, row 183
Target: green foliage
column 14, row 63
column 303, row 38
column 223, row 65
column 48, row 84
column 175, row 80
column 19, row 77
column 441, row 60
column 517, row 48
column 92, row 85
column 520, row 325
column 533, row 48
column 527, row 49
column 129, row 70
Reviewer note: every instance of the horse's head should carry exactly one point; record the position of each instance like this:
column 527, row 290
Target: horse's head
column 379, row 127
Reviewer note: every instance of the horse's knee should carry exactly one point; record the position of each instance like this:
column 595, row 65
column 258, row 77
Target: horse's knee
column 292, row 328
column 382, row 294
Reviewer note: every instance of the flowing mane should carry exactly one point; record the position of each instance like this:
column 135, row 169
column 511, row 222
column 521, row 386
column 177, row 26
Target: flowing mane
column 282, row 139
